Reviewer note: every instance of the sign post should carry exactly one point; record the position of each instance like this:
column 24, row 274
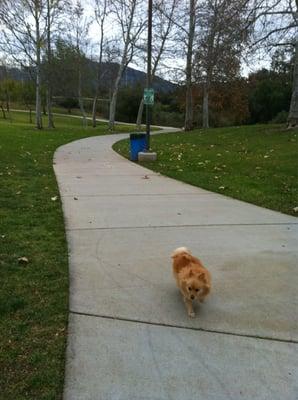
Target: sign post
column 148, row 93
column 148, row 90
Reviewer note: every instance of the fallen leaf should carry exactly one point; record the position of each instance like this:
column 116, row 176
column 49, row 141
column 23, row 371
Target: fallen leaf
column 54, row 198
column 145, row 177
column 75, row 198
column 295, row 209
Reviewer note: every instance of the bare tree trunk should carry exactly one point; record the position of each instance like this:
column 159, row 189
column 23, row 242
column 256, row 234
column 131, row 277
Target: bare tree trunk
column 100, row 20
column 140, row 114
column 7, row 98
column 3, row 111
column 188, row 99
column 94, row 111
column 293, row 113
column 114, row 97
column 206, row 106
column 80, row 98
column 49, row 108
column 38, row 79
column 188, row 125
column 38, row 119
column 123, row 64
column 49, row 83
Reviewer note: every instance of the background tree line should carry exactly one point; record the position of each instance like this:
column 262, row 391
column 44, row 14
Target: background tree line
column 78, row 57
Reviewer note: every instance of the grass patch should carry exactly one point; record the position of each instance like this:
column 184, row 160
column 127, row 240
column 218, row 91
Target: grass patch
column 33, row 296
column 257, row 164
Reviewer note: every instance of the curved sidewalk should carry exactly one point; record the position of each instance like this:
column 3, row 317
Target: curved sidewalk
column 129, row 335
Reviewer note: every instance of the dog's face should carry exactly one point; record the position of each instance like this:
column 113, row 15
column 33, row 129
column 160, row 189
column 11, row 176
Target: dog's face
column 195, row 286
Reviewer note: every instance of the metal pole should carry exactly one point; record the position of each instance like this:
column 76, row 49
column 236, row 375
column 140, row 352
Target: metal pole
column 149, row 47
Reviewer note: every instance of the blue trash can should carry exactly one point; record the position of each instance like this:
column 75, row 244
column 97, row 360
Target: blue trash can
column 137, row 144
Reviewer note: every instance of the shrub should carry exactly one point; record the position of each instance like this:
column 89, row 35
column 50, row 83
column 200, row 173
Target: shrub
column 280, row 118
column 68, row 103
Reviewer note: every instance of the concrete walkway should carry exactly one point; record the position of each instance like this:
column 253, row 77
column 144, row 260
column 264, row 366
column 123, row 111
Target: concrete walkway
column 129, row 335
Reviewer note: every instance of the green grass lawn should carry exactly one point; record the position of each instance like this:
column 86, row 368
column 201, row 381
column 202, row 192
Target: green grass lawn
column 55, row 109
column 257, row 164
column 34, row 296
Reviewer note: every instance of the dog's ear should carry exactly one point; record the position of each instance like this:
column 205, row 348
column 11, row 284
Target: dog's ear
column 186, row 256
column 202, row 277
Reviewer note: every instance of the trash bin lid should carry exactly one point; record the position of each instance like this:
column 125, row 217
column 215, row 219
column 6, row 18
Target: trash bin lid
column 137, row 135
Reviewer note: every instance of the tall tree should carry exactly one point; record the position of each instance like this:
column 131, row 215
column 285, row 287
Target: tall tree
column 23, row 38
column 275, row 24
column 101, row 10
column 131, row 22
column 7, row 85
column 80, row 25
column 185, row 21
column 64, row 69
column 219, row 45
column 188, row 125
column 163, row 20
column 53, row 10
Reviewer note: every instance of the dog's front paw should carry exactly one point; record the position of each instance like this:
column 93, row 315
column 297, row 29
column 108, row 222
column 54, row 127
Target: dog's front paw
column 191, row 314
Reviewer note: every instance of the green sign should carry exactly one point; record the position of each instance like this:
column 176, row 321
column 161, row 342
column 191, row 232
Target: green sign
column 149, row 97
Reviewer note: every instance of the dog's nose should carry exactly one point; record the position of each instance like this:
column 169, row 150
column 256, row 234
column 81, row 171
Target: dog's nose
column 192, row 296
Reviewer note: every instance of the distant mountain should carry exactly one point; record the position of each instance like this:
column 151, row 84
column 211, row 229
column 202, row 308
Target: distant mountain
column 16, row 74
column 131, row 76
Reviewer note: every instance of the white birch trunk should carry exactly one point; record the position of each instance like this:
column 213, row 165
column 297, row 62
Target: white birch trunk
column 122, row 67
column 80, row 99
column 293, row 113
column 188, row 98
column 38, row 119
column 94, row 111
column 140, row 114
column 102, row 20
column 206, row 106
column 49, row 75
column 114, row 96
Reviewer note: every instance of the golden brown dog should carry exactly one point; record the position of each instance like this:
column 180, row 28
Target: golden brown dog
column 193, row 279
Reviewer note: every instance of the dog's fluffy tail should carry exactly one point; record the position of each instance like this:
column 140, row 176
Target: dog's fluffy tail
column 180, row 250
